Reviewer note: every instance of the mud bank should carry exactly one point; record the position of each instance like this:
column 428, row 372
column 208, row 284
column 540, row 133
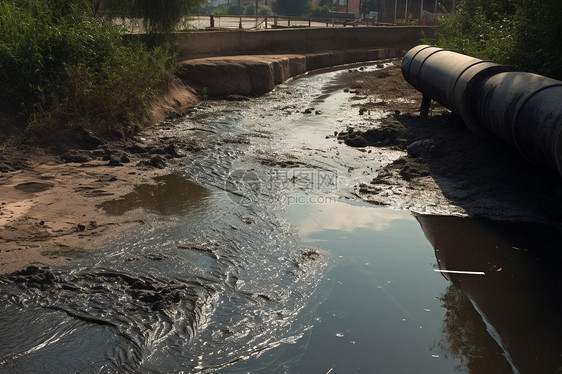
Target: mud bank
column 443, row 168
column 51, row 206
column 51, row 190
column 254, row 75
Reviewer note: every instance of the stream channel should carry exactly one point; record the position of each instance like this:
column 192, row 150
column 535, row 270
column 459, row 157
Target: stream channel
column 256, row 257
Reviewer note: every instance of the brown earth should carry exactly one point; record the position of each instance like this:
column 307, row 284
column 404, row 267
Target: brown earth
column 50, row 193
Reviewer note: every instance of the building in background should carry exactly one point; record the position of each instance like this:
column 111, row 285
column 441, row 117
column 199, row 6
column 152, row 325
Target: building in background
column 421, row 12
column 418, row 12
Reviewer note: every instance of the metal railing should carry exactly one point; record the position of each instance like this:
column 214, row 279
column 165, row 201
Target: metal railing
column 272, row 22
column 209, row 22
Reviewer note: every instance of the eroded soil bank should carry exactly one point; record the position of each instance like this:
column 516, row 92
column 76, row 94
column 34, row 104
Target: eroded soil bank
column 50, row 192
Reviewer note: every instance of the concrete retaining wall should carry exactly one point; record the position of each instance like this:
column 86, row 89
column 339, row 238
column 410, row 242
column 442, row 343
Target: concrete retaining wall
column 252, row 75
column 221, row 43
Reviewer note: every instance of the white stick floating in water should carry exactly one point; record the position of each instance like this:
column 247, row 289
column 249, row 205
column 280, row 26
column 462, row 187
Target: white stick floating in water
column 460, row 272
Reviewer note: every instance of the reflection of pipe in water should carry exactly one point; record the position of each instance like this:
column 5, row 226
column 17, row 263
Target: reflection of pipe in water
column 519, row 295
column 522, row 109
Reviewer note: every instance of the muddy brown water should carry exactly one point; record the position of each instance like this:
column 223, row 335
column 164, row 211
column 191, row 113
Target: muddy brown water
column 256, row 258
column 168, row 195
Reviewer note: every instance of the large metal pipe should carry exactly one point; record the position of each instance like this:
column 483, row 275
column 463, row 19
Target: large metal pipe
column 523, row 109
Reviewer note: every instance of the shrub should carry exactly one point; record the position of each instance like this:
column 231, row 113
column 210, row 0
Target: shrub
column 320, row 11
column 264, row 10
column 221, row 10
column 473, row 32
column 235, row 10
column 522, row 33
column 250, row 10
column 62, row 68
column 113, row 99
column 292, row 7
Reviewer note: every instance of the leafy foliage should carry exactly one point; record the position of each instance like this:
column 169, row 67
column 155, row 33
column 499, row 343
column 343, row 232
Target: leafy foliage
column 221, row 10
column 159, row 15
column 320, row 11
column 250, row 10
column 523, row 33
column 262, row 10
column 292, row 7
column 63, row 68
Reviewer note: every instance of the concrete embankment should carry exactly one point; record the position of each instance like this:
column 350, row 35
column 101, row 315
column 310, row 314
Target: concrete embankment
column 265, row 58
column 252, row 75
column 300, row 40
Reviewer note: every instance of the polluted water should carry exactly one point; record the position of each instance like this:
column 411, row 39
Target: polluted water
column 256, row 257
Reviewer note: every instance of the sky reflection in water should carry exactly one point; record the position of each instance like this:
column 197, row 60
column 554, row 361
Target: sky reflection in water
column 382, row 307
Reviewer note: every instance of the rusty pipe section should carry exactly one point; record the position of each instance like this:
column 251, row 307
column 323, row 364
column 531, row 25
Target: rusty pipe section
column 523, row 109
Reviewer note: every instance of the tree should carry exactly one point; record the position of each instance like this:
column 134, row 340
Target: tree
column 537, row 30
column 264, row 10
column 370, row 5
column 522, row 33
column 250, row 10
column 292, row 7
column 161, row 16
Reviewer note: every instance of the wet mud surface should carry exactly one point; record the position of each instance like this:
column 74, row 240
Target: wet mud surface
column 446, row 169
column 49, row 197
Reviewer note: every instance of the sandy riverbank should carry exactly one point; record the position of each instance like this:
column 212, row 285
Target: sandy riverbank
column 50, row 194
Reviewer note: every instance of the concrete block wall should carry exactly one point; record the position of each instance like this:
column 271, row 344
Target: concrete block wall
column 252, row 75
column 225, row 43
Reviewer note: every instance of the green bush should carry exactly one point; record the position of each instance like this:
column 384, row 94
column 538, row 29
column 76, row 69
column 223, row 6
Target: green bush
column 320, row 11
column 264, row 10
column 159, row 16
column 250, row 10
column 235, row 10
column 522, row 33
column 292, row 7
column 221, row 10
column 475, row 32
column 62, row 68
